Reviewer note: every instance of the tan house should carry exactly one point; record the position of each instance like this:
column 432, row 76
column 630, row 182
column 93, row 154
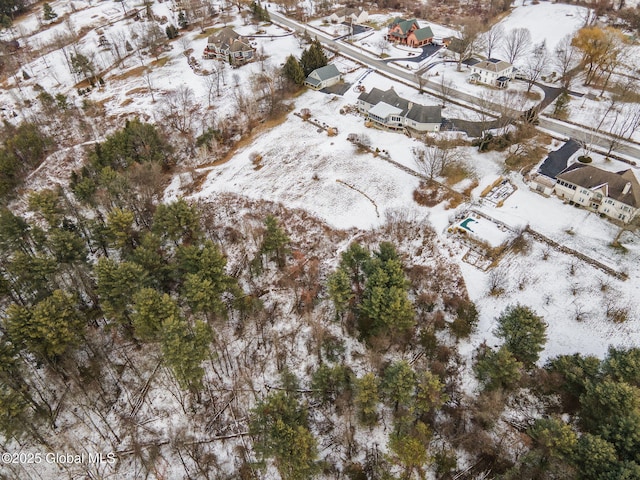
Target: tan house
column 616, row 195
column 492, row 71
column 227, row 45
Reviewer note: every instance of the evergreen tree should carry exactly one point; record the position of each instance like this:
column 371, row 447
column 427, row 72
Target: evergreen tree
column 120, row 229
column 47, row 12
column 171, row 31
column 274, row 241
column 293, row 71
column 280, row 430
column 313, row 57
column 177, row 222
column 409, row 446
column 498, row 369
column 117, row 283
column 399, row 383
column 150, row 310
column 385, row 303
column 49, row 329
column 524, row 333
column 340, row 291
column 367, row 399
column 184, row 349
column 623, row 365
column 429, row 395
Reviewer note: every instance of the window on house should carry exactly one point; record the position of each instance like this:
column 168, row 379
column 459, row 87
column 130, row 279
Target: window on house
column 622, row 216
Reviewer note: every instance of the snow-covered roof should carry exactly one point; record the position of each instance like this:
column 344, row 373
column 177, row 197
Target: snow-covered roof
column 383, row 110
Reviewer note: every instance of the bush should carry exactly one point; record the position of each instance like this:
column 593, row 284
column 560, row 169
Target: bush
column 584, row 159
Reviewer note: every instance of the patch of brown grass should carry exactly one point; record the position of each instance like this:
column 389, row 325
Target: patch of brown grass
column 456, row 173
column 133, row 72
column 128, row 101
column 136, row 90
column 431, row 194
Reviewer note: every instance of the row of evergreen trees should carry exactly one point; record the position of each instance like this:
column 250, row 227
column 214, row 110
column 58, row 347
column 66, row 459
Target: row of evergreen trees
column 312, row 57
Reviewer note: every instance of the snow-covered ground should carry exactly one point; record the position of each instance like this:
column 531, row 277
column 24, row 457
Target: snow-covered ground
column 303, row 167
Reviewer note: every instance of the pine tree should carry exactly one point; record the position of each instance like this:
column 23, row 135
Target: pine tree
column 399, row 383
column 280, row 429
column 293, row 71
column 429, row 395
column 498, row 369
column 178, row 222
column 117, row 283
column 409, row 447
column 150, row 310
column 274, row 241
column 184, row 349
column 340, row 291
column 524, row 333
column 367, row 399
column 49, row 329
column 47, row 12
column 385, row 303
column 313, row 57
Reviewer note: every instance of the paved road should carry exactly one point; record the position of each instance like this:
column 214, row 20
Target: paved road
column 557, row 127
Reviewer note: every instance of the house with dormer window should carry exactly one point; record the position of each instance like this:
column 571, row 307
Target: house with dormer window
column 614, row 194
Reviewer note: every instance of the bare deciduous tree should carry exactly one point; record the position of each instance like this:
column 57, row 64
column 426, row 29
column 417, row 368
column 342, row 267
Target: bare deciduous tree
column 536, row 64
column 434, row 160
column 516, row 43
column 468, row 43
column 566, row 60
column 492, row 38
column 180, row 110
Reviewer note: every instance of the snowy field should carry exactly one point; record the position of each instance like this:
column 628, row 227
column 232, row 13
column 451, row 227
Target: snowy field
column 303, row 167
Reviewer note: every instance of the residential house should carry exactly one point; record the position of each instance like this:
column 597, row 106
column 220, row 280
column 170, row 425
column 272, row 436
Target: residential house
column 493, row 72
column 323, row 77
column 544, row 180
column 614, row 194
column 420, row 37
column 387, row 110
column 399, row 29
column 349, row 15
column 229, row 46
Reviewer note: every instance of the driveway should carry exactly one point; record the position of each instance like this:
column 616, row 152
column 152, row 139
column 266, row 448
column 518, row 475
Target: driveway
column 427, row 51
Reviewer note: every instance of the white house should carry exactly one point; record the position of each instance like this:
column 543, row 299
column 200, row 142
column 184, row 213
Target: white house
column 386, row 109
column 323, row 77
column 493, row 72
column 349, row 15
column 616, row 195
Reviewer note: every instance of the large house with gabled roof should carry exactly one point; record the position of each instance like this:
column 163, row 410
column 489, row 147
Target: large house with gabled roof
column 614, row 194
column 229, row 46
column 492, row 71
column 387, row 110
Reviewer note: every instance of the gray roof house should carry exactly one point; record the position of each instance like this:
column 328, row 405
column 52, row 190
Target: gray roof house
column 229, row 46
column 386, row 109
column 323, row 77
column 614, row 194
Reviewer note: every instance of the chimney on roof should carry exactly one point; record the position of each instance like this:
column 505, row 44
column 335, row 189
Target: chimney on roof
column 410, row 105
column 626, row 188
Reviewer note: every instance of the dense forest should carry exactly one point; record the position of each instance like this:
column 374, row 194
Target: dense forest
column 232, row 338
